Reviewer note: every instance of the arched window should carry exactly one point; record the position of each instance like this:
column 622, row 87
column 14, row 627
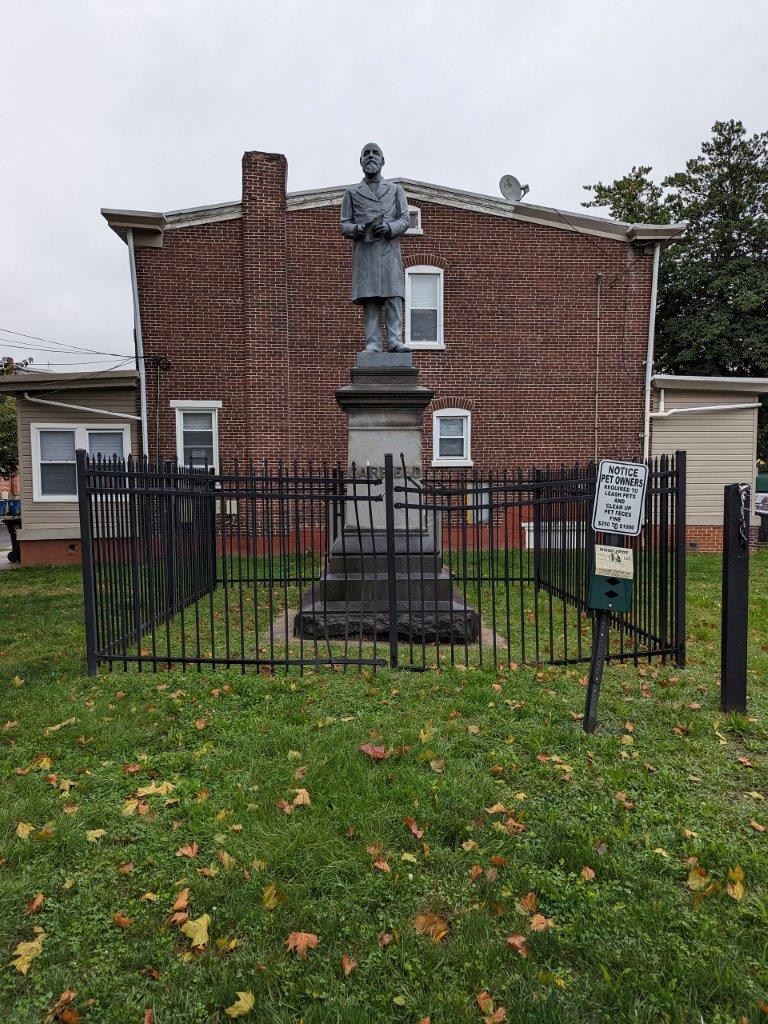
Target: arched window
column 424, row 307
column 452, row 437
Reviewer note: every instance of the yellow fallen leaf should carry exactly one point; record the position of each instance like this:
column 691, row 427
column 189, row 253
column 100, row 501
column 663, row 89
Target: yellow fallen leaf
column 55, row 728
column 153, row 789
column 270, row 897
column 196, row 929
column 129, row 808
column 698, row 879
column 94, row 834
column 302, row 798
column 690, row 834
column 736, row 888
column 46, row 831
column 227, row 860
column 661, row 852
column 24, row 830
column 242, row 1005
column 149, row 897
column 26, row 952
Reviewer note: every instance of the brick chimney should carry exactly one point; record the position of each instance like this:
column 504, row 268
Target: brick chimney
column 265, row 287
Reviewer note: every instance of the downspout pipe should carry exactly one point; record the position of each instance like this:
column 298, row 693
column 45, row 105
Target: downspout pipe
column 138, row 338
column 650, row 352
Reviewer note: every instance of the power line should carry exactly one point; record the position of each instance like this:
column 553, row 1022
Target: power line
column 60, row 344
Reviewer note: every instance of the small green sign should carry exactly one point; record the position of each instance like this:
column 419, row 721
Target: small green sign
column 608, row 593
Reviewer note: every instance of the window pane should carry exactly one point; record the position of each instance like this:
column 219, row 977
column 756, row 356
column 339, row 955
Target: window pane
column 423, row 325
column 57, row 446
column 452, row 426
column 451, row 447
column 198, row 420
column 414, row 218
column 58, row 479
column 198, row 437
column 198, row 455
column 106, row 443
column 424, row 291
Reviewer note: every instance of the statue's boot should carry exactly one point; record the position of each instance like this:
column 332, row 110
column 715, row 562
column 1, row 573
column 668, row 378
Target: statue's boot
column 398, row 347
column 372, row 347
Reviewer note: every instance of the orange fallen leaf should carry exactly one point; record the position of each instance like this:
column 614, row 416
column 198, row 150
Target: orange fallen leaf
column 540, row 923
column 587, row 873
column 385, row 938
column 431, row 925
column 412, row 827
column 475, row 871
column 527, row 903
column 121, row 920
column 745, row 761
column 484, row 1001
column 285, row 807
column 757, row 826
column 518, row 943
column 131, row 769
column 498, row 861
column 127, row 868
column 498, row 1016
column 302, row 798
column 348, row 964
column 179, row 918
column 149, row 1016
column 34, row 905
column 182, row 900
column 300, row 942
column 200, row 723
column 377, row 753
column 188, row 850
column 65, row 1000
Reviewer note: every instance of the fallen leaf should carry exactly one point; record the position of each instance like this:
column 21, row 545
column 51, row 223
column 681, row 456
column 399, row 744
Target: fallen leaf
column 188, row 850
column 210, row 872
column 348, row 964
column 182, row 900
column 413, row 828
column 498, row 861
column 484, row 1001
column 496, row 809
column 227, row 860
column 498, row 1016
column 94, row 834
column 698, row 879
column 587, row 874
column 200, row 723
column 65, row 999
column 377, row 753
column 242, row 1005
column 527, row 904
column 745, row 761
column 121, row 920
column 437, row 764
column 385, row 938
column 127, row 868
column 196, row 930
column 475, row 871
column 131, row 769
column 149, row 1016
column 518, row 943
column 301, row 799
column 149, row 897
column 757, row 826
column 34, row 905
column 736, row 888
column 129, row 807
column 431, row 925
column 24, row 829
column 285, row 807
column 540, row 923
column 179, row 917
column 155, row 789
column 270, row 897
column 469, row 845
column 301, row 942
column 26, row 952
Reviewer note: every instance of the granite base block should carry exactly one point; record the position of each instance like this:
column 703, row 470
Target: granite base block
column 445, row 622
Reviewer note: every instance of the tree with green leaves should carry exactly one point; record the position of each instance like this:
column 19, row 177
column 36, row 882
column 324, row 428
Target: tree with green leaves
column 9, row 445
column 712, row 314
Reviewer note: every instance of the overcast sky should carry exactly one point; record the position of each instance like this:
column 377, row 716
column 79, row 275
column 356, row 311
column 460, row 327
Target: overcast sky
column 149, row 104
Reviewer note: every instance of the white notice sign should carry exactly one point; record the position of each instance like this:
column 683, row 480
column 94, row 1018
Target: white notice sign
column 620, row 497
column 616, row 562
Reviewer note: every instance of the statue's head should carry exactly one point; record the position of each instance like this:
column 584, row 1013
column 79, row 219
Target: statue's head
column 371, row 158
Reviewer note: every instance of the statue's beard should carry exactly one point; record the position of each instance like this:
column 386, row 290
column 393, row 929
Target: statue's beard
column 371, row 167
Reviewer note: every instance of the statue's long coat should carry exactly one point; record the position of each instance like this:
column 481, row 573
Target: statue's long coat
column 377, row 265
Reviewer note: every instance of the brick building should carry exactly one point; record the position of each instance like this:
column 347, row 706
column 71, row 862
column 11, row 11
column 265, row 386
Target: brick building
column 531, row 325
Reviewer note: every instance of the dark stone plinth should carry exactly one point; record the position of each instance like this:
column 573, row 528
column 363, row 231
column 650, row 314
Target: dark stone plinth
column 446, row 622
column 383, row 360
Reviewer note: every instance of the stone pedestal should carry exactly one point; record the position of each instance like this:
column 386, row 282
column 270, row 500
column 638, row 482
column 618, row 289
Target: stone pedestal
column 384, row 404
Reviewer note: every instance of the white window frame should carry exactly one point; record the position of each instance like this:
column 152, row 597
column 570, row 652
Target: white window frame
column 445, row 414
column 409, row 273
column 418, row 230
column 195, row 405
column 81, row 431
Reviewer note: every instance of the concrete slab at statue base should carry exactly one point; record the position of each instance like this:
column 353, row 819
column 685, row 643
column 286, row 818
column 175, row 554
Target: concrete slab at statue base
column 445, row 622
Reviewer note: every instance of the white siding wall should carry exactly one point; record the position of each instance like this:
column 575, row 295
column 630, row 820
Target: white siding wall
column 721, row 446
column 59, row 520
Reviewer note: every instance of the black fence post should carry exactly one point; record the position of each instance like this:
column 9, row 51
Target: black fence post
column 680, row 556
column 733, row 643
column 389, row 510
column 86, row 560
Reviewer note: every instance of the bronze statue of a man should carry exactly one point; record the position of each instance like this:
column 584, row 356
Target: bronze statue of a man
column 373, row 214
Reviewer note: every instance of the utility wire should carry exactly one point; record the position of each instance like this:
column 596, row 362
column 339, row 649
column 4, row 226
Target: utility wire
column 60, row 344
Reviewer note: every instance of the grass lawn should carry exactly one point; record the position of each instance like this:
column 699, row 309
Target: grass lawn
column 625, row 838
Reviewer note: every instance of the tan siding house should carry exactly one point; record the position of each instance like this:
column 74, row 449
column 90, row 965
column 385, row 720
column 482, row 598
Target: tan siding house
column 55, row 416
column 713, row 419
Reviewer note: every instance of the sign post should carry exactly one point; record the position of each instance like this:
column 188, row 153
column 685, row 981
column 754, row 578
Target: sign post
column 618, row 513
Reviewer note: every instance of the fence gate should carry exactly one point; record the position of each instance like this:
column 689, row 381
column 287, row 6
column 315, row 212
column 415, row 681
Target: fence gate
column 278, row 566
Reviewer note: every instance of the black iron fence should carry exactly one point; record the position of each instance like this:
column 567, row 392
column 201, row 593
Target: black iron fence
column 270, row 566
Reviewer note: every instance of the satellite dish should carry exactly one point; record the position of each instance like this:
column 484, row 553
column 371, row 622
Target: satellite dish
column 511, row 188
